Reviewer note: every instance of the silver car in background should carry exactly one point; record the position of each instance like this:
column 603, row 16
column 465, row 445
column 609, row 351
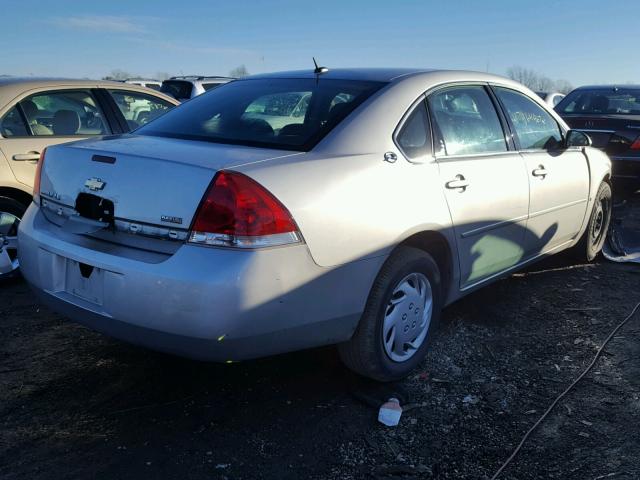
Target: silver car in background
column 293, row 210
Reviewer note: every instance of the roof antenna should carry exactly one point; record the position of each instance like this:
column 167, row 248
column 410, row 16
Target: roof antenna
column 318, row 70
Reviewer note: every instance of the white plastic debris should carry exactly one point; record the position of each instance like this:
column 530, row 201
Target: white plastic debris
column 470, row 400
column 390, row 413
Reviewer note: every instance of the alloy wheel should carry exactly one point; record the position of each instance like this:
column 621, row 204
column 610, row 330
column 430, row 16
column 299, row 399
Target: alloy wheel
column 9, row 262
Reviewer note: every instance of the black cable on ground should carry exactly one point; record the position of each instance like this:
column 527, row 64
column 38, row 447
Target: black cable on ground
column 563, row 394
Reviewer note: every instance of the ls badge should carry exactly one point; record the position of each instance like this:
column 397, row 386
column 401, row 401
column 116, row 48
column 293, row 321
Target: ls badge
column 94, row 184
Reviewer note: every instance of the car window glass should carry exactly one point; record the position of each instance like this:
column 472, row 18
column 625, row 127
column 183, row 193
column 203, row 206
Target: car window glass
column 178, row 89
column 534, row 126
column 414, row 138
column 610, row 101
column 12, row 124
column 138, row 108
column 153, row 86
column 466, row 122
column 210, row 86
column 284, row 113
column 63, row 113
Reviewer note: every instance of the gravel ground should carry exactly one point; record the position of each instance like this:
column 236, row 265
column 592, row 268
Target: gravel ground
column 75, row 404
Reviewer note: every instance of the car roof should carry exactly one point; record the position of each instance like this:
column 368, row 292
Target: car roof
column 608, row 87
column 201, row 77
column 11, row 87
column 388, row 75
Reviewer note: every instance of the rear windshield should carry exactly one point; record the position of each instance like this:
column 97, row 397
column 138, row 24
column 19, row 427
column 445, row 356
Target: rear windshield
column 618, row 101
column 178, row 89
column 292, row 114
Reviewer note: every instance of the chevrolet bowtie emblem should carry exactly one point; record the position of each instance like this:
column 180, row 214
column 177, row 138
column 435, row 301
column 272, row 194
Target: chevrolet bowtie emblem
column 94, row 184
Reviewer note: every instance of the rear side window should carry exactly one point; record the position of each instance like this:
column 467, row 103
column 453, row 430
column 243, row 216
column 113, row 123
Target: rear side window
column 12, row 124
column 534, row 126
column 62, row 113
column 289, row 114
column 178, row 89
column 466, row 122
column 414, row 138
column 210, row 86
column 138, row 108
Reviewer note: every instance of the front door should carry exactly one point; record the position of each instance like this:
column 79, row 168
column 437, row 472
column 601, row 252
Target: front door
column 558, row 177
column 47, row 118
column 484, row 182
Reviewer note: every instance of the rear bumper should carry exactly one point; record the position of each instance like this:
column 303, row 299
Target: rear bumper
column 625, row 167
column 204, row 303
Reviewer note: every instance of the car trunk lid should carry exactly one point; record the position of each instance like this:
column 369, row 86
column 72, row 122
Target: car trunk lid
column 135, row 185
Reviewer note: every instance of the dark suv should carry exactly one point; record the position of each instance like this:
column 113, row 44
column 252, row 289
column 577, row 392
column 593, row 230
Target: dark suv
column 610, row 115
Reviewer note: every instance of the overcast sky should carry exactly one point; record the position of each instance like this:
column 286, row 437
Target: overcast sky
column 583, row 41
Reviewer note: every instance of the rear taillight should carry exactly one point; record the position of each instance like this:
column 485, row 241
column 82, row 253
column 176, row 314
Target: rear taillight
column 238, row 212
column 36, row 181
column 636, row 144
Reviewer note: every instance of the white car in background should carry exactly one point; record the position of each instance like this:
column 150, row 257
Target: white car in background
column 185, row 87
column 37, row 113
column 551, row 98
column 143, row 82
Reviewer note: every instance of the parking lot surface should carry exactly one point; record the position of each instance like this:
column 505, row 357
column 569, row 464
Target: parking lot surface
column 76, row 404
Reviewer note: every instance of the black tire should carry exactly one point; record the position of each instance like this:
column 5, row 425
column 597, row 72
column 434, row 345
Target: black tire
column 364, row 353
column 13, row 207
column 593, row 239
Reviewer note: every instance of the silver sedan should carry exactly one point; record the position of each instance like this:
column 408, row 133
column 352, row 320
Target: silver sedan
column 293, row 210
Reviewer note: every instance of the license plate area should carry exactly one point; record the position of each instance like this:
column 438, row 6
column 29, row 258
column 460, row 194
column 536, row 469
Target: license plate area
column 95, row 208
column 85, row 281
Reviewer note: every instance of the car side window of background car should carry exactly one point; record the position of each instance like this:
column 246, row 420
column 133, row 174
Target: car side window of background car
column 12, row 124
column 138, row 108
column 534, row 126
column 466, row 122
column 63, row 113
column 414, row 138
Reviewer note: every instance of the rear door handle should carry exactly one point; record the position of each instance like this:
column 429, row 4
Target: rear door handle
column 459, row 182
column 540, row 171
column 27, row 157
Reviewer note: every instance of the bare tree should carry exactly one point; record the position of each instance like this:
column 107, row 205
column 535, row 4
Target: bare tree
column 239, row 72
column 118, row 74
column 537, row 82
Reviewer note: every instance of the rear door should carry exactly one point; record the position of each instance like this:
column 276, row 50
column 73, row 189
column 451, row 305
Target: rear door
column 48, row 118
column 484, row 181
column 558, row 177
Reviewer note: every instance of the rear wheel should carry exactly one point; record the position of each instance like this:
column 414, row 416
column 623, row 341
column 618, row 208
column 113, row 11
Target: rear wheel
column 595, row 235
column 11, row 211
column 401, row 315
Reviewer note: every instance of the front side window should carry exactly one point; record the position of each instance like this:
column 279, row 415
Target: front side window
column 62, row 113
column 414, row 138
column 534, row 126
column 138, row 108
column 466, row 122
column 290, row 114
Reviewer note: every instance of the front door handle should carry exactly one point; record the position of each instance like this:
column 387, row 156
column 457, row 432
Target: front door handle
column 459, row 182
column 539, row 172
column 27, row 157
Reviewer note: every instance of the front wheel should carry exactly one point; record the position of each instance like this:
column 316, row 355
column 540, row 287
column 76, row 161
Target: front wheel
column 401, row 315
column 595, row 235
column 11, row 212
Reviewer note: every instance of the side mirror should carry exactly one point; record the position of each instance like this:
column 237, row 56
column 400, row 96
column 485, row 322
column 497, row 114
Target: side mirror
column 576, row 138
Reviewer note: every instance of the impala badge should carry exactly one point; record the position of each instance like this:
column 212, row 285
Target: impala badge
column 94, row 184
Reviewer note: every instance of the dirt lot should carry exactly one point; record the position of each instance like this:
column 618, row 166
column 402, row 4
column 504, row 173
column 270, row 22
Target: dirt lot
column 75, row 404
